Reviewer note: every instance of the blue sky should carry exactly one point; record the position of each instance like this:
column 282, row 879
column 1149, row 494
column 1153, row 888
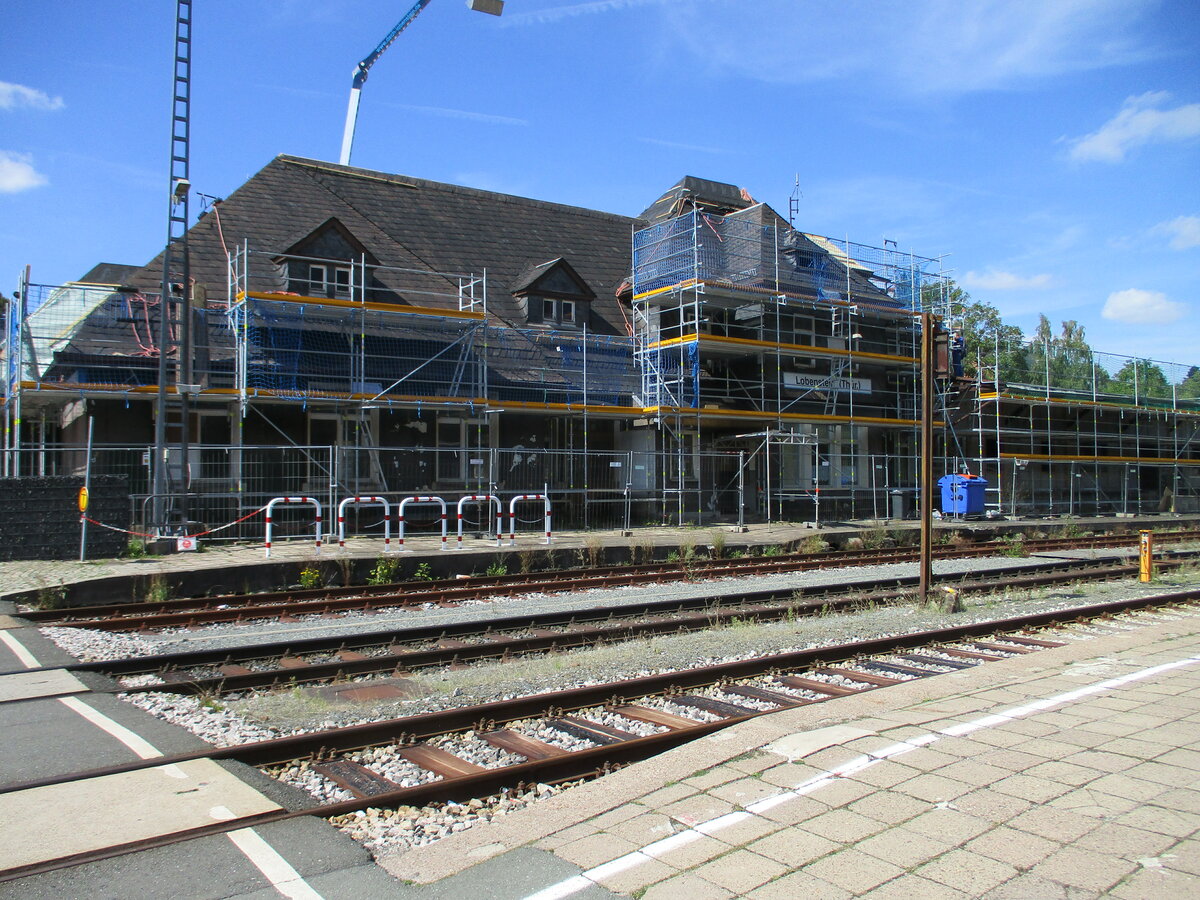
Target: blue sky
column 1050, row 150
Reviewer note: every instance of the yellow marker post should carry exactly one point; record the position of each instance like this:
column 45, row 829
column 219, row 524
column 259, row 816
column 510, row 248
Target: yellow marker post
column 1146, row 561
column 83, row 499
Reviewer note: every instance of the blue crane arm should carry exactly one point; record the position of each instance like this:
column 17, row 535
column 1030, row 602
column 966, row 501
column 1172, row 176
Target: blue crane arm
column 361, row 70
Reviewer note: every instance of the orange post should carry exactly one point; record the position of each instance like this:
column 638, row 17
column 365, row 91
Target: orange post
column 1146, row 560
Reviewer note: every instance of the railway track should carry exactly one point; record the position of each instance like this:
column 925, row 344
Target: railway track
column 193, row 612
column 397, row 652
column 607, row 725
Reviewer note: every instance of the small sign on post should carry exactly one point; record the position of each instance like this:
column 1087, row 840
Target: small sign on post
column 1146, row 557
column 83, row 500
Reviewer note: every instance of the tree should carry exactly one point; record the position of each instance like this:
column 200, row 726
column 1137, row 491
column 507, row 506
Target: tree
column 1140, row 379
column 987, row 338
column 1189, row 388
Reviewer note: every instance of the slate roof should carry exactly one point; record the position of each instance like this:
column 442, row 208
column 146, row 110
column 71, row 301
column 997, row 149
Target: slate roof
column 109, row 273
column 416, row 224
column 690, row 192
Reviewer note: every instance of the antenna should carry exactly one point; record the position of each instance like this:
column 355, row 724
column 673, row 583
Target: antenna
column 794, row 202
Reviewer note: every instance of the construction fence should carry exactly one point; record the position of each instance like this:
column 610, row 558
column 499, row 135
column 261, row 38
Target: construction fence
column 598, row 490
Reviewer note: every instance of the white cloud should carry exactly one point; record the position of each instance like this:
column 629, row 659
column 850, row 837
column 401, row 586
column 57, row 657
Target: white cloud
column 997, row 280
column 919, row 47
column 17, row 96
column 1140, row 121
column 17, row 173
column 1183, row 231
column 1138, row 307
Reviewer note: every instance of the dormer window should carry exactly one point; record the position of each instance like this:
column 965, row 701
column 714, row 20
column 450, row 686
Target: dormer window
column 552, row 294
column 328, row 280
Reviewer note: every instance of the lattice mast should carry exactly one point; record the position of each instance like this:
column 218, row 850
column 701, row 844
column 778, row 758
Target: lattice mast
column 175, row 315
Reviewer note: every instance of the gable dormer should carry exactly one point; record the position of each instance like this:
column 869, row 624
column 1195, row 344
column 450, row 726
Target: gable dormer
column 321, row 263
column 553, row 294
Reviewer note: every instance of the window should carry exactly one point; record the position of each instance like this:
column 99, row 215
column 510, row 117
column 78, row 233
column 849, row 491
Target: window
column 326, row 280
column 558, row 312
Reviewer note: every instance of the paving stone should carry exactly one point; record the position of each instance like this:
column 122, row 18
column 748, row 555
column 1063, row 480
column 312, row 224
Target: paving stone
column 843, row 826
column 1183, row 857
column 644, row 828
column 933, row 788
column 967, row 871
column 637, row 877
column 697, row 808
column 1096, row 804
column 788, row 775
column 1130, row 788
column 568, row 835
column 753, row 762
column 927, row 760
column 1165, row 774
column 841, row 792
column 1029, row 787
column 740, row 871
column 1013, row 760
column 1064, row 773
column 1019, row 849
column 990, row 806
column 889, row 807
column 691, row 854
column 744, row 791
column 794, row 847
column 951, row 826
column 796, row 885
column 904, row 848
column 885, row 774
column 908, row 887
column 1183, row 799
column 976, row 774
column 1056, row 824
column 795, row 809
column 1123, row 840
column 1031, row 887
column 595, row 849
column 1163, row 821
column 853, row 870
column 1084, row 869
column 1098, row 759
column 665, row 795
column 1156, row 884
column 686, row 887
column 710, row 778
column 747, row 830
column 1189, row 759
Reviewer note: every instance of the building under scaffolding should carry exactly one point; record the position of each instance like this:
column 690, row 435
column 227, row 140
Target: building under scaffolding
column 797, row 350
column 1077, row 432
column 355, row 333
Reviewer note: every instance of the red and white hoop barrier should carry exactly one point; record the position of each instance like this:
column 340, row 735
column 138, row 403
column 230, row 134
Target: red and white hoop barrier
column 289, row 500
column 481, row 498
column 363, row 501
column 512, row 514
column 418, row 501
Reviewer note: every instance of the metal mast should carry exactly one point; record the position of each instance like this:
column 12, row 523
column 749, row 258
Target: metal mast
column 175, row 305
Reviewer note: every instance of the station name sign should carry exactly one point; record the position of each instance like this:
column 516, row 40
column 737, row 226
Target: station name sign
column 830, row 383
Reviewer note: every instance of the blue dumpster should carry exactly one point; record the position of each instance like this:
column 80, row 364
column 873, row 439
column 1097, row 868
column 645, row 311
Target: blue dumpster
column 962, row 495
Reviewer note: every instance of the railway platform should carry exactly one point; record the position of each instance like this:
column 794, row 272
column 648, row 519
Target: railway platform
column 1072, row 774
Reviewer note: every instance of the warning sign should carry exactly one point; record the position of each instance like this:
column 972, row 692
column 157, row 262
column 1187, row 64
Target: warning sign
column 83, row 499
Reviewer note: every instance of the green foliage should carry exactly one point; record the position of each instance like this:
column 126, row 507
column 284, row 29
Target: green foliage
column 310, row 578
column 497, row 568
column 772, row 550
column 51, row 596
column 873, row 538
column 718, row 544
column 135, row 549
column 158, row 591
column 384, row 571
column 423, row 573
column 1189, row 388
column 1014, row 545
column 1140, row 379
column 811, row 545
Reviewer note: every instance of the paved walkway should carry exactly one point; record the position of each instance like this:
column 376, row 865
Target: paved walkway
column 1070, row 773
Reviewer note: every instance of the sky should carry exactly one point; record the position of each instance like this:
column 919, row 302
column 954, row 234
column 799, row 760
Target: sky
column 1047, row 152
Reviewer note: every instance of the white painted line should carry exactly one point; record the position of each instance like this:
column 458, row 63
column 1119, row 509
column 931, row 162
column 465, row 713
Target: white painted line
column 274, row 867
column 592, row 876
column 27, row 659
column 143, row 748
